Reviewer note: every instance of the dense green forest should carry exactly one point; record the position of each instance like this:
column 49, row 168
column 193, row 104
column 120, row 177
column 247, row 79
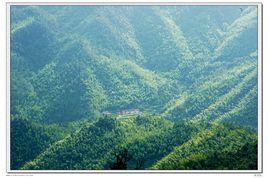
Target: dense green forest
column 134, row 87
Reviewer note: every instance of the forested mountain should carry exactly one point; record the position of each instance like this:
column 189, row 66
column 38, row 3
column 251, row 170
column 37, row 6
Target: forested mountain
column 225, row 147
column 134, row 87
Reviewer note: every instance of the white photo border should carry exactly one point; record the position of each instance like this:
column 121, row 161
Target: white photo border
column 260, row 86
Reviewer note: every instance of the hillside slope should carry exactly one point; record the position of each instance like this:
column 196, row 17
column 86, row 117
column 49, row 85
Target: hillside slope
column 218, row 148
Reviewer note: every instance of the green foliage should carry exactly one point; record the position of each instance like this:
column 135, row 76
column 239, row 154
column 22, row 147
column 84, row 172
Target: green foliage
column 189, row 71
column 122, row 158
column 218, row 148
column 242, row 29
column 29, row 139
